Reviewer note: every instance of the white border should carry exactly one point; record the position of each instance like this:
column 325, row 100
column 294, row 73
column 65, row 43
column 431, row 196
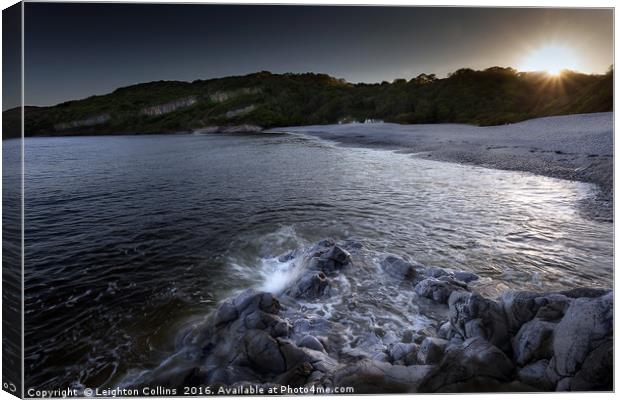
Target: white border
column 479, row 3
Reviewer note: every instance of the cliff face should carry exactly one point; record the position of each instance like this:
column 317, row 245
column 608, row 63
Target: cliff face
column 490, row 97
column 92, row 121
column 220, row 97
column 166, row 108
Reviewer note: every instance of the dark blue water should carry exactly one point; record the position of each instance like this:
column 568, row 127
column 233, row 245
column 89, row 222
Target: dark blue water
column 129, row 237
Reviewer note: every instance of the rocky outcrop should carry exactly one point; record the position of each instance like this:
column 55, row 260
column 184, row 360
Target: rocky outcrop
column 169, row 107
column 440, row 289
column 521, row 341
column 82, row 123
column 240, row 111
column 243, row 128
column 222, row 96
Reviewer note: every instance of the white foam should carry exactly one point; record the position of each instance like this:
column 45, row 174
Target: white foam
column 277, row 275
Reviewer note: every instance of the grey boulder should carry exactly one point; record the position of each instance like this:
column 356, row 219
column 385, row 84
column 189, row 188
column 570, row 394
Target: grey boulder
column 439, row 290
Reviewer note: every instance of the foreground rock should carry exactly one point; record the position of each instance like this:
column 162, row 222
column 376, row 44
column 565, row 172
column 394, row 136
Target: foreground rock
column 521, row 341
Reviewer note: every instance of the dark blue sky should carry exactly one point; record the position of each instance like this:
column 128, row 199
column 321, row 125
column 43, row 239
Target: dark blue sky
column 77, row 50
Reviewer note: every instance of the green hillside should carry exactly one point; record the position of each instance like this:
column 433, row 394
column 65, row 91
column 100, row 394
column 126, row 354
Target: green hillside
column 493, row 96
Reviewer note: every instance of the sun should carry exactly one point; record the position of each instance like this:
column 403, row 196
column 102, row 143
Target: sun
column 552, row 59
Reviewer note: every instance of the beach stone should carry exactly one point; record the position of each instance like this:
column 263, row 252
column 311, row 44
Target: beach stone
column 535, row 375
column 311, row 342
column 324, row 243
column 231, row 374
column 263, row 352
column 310, row 286
column 585, row 292
column 519, row 308
column 339, row 255
column 251, row 300
column 596, row 372
column 352, row 245
column 294, row 355
column 296, row 376
column 472, row 315
column 465, row 276
column 327, row 260
column 270, row 323
column 563, row 385
column 197, row 376
column 555, row 308
column 405, row 353
column 401, row 269
column 475, row 359
column 225, row 313
column 431, row 350
column 586, row 323
column 374, row 377
column 439, row 290
column 436, row 272
column 286, row 257
column 534, row 341
column 445, row 331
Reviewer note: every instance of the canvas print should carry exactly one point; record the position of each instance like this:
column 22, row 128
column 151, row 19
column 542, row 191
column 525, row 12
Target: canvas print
column 206, row 199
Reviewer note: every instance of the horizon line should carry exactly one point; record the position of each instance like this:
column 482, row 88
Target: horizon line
column 447, row 75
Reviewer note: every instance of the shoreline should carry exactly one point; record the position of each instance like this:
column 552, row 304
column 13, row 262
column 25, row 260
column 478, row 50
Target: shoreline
column 480, row 343
column 573, row 147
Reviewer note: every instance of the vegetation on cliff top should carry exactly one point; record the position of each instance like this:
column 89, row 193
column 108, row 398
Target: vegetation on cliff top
column 489, row 97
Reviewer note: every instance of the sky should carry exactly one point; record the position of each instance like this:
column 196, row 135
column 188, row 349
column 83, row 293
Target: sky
column 73, row 51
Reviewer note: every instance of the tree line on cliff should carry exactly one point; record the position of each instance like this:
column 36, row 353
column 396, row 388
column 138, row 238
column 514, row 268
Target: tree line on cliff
column 488, row 97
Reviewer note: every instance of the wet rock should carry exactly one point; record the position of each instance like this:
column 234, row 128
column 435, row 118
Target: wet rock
column 310, row 286
column 562, row 341
column 465, row 276
column 263, row 352
column 436, row 272
column 311, row 342
column 563, row 385
column 294, row 355
column 596, row 372
column 226, row 312
column 585, row 292
column 403, row 353
column 369, row 376
column 324, row 243
column 446, row 331
column 401, row 269
column 472, row 315
column 439, row 290
column 250, row 300
column 431, row 350
column 418, row 338
column 270, row 323
column 296, row 376
column 230, row 375
column 339, row 255
column 535, row 375
column 286, row 257
column 301, row 325
column 554, row 309
column 476, row 359
column 519, row 308
column 587, row 323
column 352, row 245
column 534, row 341
column 197, row 376
column 328, row 260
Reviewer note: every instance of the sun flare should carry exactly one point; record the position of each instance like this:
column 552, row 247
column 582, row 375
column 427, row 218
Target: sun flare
column 552, row 59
